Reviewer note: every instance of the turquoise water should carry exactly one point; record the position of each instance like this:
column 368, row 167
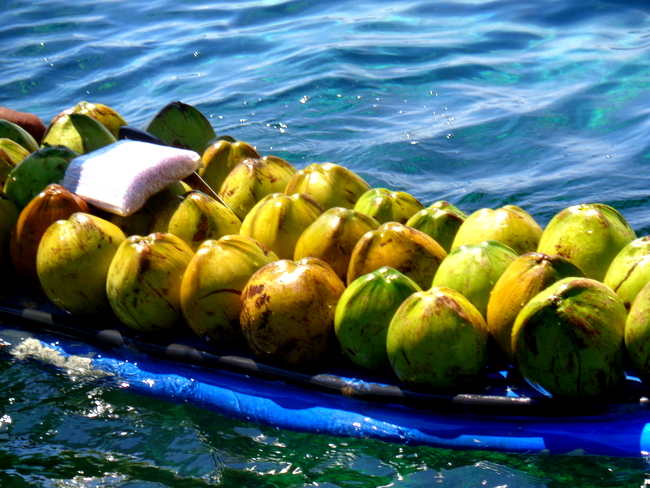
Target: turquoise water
column 482, row 103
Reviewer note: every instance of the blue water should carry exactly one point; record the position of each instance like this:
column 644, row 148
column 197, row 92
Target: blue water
column 482, row 103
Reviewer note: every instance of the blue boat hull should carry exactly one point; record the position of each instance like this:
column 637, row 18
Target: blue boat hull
column 502, row 419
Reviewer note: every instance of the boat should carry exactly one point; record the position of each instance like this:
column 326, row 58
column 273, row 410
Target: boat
column 503, row 414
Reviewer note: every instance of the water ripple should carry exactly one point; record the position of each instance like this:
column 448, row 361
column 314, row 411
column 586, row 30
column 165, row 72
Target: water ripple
column 481, row 103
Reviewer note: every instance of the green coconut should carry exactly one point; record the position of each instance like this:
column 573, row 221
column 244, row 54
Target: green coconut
column 437, row 339
column 398, row 246
column 72, row 262
column 637, row 334
column 333, row 236
column 80, row 132
column 183, row 126
column 213, row 283
column 221, row 157
column 287, row 312
column 36, row 171
column 252, row 179
column 11, row 153
column 196, row 217
column 330, row 185
column 364, row 312
column 474, row 269
column 144, row 281
column 590, row 235
column 388, row 206
column 104, row 114
column 568, row 340
column 439, row 223
column 278, row 221
column 10, row 130
column 509, row 224
column 524, row 278
column 629, row 271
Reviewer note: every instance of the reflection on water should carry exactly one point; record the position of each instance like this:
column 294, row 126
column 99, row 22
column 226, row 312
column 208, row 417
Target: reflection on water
column 58, row 431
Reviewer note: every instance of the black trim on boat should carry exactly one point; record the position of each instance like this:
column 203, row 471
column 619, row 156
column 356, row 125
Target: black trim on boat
column 355, row 384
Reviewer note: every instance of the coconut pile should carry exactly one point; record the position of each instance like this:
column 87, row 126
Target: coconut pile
column 173, row 228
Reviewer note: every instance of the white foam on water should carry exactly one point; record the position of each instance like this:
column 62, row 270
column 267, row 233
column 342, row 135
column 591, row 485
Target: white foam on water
column 23, row 346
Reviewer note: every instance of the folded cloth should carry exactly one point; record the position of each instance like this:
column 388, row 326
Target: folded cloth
column 120, row 177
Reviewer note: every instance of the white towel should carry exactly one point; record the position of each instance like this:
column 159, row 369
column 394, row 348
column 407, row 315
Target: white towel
column 120, row 177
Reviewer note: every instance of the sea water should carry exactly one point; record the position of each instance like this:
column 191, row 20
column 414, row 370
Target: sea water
column 540, row 104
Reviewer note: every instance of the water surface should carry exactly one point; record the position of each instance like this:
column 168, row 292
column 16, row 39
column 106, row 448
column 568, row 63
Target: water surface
column 482, row 103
